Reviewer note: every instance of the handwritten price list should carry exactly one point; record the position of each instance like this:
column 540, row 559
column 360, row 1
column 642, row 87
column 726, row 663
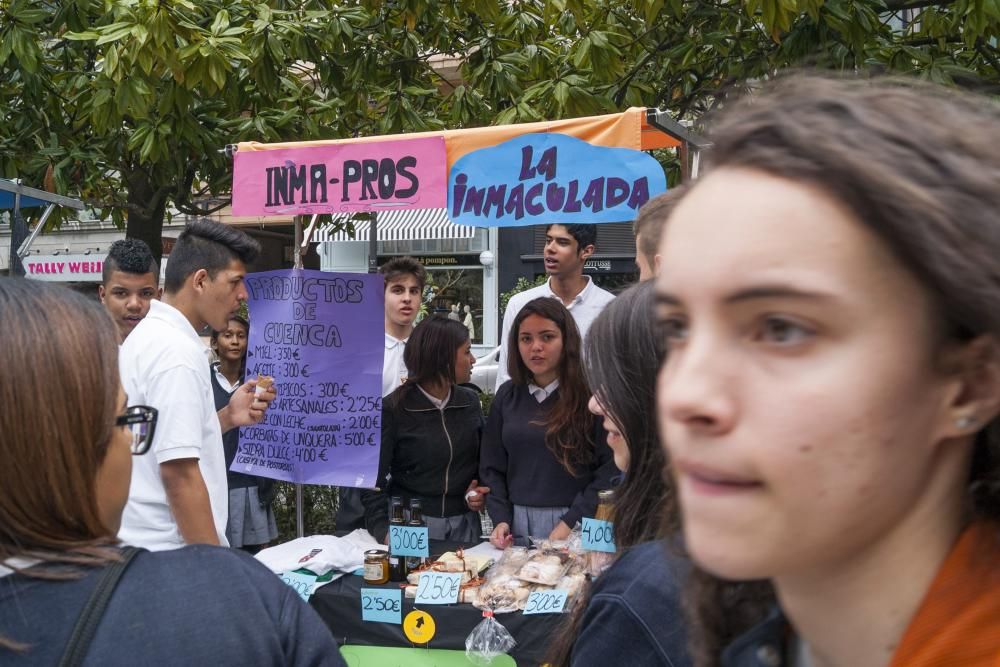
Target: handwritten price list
column 319, row 336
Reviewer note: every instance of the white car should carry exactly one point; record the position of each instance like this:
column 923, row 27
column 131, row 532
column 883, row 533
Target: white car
column 484, row 373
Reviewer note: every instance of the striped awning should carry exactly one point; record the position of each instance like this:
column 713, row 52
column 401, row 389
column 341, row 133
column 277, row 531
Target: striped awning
column 406, row 225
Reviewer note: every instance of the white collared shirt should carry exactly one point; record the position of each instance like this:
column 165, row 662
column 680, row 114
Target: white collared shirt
column 164, row 364
column 438, row 403
column 394, row 371
column 223, row 380
column 585, row 308
column 541, row 393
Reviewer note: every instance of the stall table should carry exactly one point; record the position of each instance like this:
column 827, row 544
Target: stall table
column 339, row 605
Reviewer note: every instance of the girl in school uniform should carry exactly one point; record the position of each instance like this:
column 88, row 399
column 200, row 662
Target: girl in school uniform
column 544, row 456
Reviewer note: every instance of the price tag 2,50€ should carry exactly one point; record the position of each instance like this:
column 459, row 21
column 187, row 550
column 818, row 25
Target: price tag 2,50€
column 381, row 605
column 545, row 602
column 438, row 587
column 598, row 535
column 409, row 541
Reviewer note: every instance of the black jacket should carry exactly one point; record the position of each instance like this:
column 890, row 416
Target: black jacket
column 427, row 454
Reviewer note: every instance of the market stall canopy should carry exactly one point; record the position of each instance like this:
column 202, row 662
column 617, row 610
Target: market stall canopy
column 14, row 196
column 574, row 170
column 406, row 225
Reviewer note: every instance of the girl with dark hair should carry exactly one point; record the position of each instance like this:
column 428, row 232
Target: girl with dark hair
column 430, row 437
column 632, row 612
column 830, row 297
column 251, row 524
column 544, row 456
column 67, row 449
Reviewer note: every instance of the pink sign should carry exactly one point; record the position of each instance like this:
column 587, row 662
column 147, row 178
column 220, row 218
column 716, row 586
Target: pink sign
column 341, row 178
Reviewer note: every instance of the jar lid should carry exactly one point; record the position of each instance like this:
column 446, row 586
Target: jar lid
column 376, row 552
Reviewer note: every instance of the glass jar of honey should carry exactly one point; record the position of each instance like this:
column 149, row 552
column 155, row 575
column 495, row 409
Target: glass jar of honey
column 376, row 566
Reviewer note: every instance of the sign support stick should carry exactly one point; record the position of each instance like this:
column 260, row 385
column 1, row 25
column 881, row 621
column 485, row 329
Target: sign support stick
column 297, row 263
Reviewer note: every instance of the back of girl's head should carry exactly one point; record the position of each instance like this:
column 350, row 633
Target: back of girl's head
column 623, row 353
column 550, row 309
column 60, row 395
column 431, row 350
column 916, row 164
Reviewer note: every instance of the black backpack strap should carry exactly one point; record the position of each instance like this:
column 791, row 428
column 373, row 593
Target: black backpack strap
column 93, row 611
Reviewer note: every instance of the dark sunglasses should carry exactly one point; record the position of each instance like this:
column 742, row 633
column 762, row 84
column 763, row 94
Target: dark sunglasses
column 141, row 421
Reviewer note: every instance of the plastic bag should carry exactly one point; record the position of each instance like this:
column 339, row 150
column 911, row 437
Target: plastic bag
column 488, row 640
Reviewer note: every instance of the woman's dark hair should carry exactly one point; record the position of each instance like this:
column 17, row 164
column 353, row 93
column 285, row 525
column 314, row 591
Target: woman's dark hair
column 623, row 354
column 430, row 351
column 569, row 425
column 917, row 165
column 55, row 434
column 209, row 245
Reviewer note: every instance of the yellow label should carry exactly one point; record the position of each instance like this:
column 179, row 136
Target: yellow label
column 418, row 626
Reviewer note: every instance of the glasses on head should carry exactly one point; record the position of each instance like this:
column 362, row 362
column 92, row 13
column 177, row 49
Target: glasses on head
column 141, row 422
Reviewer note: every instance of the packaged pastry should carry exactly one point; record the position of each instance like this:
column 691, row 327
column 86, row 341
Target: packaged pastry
column 264, row 383
column 502, row 593
column 545, row 566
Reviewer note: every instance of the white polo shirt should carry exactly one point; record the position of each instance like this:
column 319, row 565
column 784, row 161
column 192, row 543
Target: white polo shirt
column 393, row 369
column 585, row 308
column 164, row 364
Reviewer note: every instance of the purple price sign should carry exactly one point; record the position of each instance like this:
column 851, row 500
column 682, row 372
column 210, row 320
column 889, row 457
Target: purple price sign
column 320, row 336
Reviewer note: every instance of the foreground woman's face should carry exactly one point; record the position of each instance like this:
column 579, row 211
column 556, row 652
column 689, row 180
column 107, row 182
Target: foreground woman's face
column 115, row 473
column 798, row 403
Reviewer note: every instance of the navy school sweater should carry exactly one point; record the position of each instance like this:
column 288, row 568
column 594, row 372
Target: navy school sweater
column 520, row 470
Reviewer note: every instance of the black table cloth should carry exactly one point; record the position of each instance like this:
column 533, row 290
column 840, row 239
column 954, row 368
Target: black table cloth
column 339, row 605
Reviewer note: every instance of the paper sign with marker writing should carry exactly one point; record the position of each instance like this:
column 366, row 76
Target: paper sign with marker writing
column 381, row 605
column 409, row 541
column 545, row 602
column 304, row 584
column 551, row 178
column 439, row 587
column 598, row 535
column 317, row 334
column 340, row 178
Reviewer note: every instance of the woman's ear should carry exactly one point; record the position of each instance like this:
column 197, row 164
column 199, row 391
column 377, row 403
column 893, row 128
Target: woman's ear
column 973, row 398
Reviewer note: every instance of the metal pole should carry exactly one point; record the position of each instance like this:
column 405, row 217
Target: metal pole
column 297, row 263
column 373, row 244
column 22, row 252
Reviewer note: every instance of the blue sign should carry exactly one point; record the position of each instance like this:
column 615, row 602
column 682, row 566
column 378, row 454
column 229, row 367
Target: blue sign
column 381, row 605
column 438, row 587
column 551, row 178
column 597, row 535
column 545, row 602
column 409, row 541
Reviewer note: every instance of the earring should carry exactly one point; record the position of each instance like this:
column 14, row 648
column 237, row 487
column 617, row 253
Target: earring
column 965, row 422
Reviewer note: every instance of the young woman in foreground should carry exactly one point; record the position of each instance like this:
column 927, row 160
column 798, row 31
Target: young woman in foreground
column 830, row 297
column 67, row 449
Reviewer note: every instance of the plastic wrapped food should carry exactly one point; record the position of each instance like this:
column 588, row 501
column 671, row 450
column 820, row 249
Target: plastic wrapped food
column 546, row 566
column 502, row 594
column 488, row 640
